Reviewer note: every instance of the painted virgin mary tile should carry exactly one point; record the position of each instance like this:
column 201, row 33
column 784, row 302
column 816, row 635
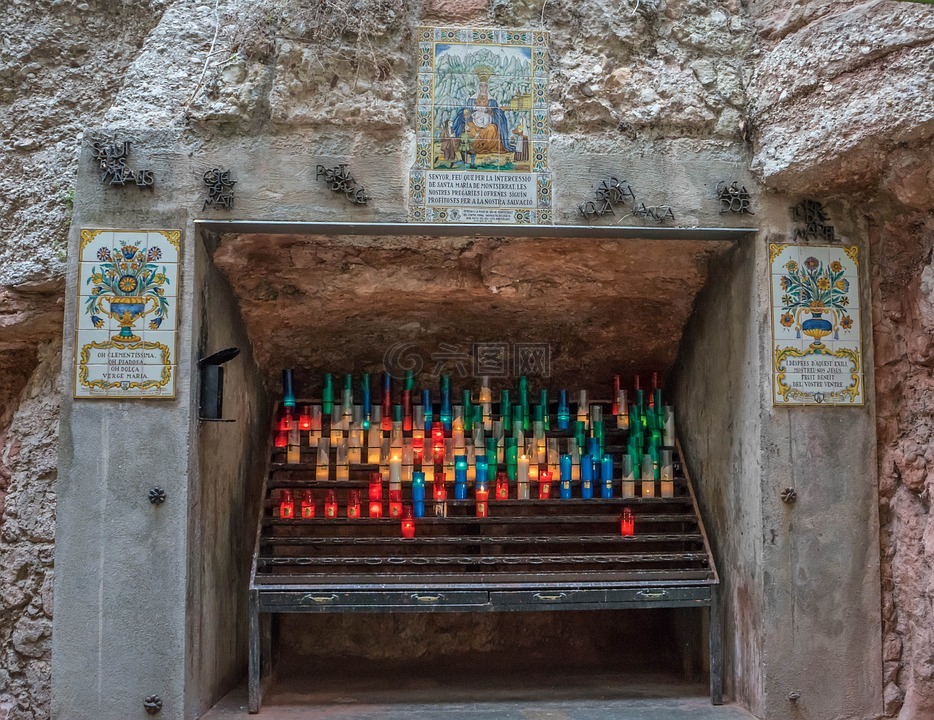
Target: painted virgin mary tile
column 485, row 157
column 817, row 351
column 127, row 313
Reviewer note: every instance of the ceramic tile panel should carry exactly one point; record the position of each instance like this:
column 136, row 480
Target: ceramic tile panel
column 127, row 314
column 816, row 340
column 482, row 127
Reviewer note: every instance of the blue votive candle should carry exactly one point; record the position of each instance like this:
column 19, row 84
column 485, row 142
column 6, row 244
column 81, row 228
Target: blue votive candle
column 418, row 493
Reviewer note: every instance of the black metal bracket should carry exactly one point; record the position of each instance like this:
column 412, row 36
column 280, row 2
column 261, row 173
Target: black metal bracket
column 152, row 704
column 211, row 406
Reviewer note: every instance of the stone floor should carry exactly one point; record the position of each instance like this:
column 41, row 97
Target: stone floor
column 353, row 692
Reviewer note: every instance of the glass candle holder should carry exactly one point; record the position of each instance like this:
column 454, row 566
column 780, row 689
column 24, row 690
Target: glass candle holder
column 308, row 505
column 544, row 486
column 282, row 439
column 648, row 476
column 353, row 504
column 294, row 451
column 587, row 477
column 583, row 407
column 502, row 487
column 482, row 469
column 323, row 460
column 564, row 489
column 667, row 473
column 437, row 444
column 627, row 523
column 330, row 504
column 304, row 418
column 395, row 503
column 564, row 414
column 355, row 446
column 460, row 477
column 286, row 505
column 386, row 420
column 418, row 493
column 669, row 419
column 629, row 483
column 482, row 500
column 428, row 410
column 376, row 509
column 288, row 389
column 408, row 522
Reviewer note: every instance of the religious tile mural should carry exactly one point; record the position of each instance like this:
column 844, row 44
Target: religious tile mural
column 127, row 314
column 482, row 132
column 817, row 352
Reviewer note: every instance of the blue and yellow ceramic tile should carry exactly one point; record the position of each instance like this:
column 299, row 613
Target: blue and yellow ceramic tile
column 126, row 314
column 484, row 86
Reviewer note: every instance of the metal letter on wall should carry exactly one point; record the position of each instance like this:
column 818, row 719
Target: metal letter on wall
column 817, row 351
column 483, row 130
column 127, row 314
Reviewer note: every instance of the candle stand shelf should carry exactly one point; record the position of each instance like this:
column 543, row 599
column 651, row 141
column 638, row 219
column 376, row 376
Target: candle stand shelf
column 536, row 554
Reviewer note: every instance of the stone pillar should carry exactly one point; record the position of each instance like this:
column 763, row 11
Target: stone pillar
column 119, row 631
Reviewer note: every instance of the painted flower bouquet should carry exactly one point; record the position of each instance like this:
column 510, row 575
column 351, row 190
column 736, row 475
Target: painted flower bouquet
column 815, row 290
column 128, row 281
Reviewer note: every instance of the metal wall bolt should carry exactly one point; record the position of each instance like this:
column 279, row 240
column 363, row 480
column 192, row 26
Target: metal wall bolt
column 152, row 704
column 156, row 496
column 789, row 495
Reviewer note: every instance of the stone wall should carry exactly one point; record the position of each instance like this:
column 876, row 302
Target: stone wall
column 28, row 460
column 836, row 98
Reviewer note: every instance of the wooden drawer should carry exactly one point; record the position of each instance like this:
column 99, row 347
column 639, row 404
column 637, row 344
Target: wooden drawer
column 324, row 600
column 623, row 597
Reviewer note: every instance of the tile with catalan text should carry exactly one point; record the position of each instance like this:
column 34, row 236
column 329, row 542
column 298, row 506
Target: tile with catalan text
column 127, row 312
column 482, row 127
column 817, row 350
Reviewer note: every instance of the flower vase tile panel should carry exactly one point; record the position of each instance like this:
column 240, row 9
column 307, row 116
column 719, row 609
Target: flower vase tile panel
column 127, row 313
column 816, row 325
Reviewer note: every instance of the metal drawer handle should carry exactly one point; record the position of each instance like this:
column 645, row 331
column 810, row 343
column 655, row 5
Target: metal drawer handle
column 427, row 598
column 320, row 598
column 652, row 593
column 547, row 598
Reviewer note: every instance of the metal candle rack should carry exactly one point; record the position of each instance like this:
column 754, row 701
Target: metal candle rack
column 524, row 555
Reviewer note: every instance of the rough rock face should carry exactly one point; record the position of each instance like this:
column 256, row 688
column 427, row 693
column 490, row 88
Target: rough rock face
column 839, row 87
column 28, row 457
column 443, row 298
column 903, row 322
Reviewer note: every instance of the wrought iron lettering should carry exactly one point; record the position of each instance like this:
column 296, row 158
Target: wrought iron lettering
column 339, row 180
column 220, row 189
column 734, row 198
column 113, row 160
column 813, row 222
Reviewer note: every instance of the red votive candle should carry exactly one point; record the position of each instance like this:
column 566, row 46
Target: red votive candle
column 395, row 503
column 286, row 505
column 441, row 491
column 483, row 497
column 308, row 505
column 353, row 504
column 614, row 410
column 330, row 504
column 408, row 522
column 376, row 509
column 282, row 438
column 544, row 485
column 418, row 449
column 304, row 420
column 437, row 443
column 502, row 486
column 627, row 523
column 376, row 487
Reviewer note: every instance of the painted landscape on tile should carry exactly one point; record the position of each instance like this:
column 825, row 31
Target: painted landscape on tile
column 816, row 325
column 127, row 313
column 483, row 131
